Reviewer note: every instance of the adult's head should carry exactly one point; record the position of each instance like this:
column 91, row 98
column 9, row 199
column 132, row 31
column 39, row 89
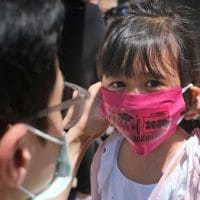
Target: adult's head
column 28, row 39
column 30, row 81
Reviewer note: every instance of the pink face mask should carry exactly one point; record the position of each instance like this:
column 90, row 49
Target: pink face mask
column 145, row 120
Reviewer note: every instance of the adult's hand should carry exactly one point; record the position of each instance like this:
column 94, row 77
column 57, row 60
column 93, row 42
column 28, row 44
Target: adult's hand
column 194, row 110
column 90, row 126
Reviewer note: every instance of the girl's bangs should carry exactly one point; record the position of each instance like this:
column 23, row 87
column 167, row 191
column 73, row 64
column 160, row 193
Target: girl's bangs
column 134, row 58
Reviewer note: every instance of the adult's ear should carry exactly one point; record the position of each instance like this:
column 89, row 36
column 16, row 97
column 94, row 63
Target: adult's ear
column 194, row 109
column 14, row 157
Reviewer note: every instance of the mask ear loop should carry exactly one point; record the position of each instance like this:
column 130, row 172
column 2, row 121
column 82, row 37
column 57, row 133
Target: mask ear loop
column 187, row 87
column 44, row 136
column 183, row 91
column 24, row 190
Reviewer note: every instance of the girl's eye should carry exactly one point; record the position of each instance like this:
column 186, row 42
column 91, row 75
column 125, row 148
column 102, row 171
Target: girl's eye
column 153, row 83
column 118, row 85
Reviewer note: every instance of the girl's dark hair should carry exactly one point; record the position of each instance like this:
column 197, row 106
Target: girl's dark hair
column 29, row 33
column 151, row 35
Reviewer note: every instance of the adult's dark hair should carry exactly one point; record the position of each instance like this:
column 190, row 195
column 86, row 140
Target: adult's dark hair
column 135, row 42
column 29, row 31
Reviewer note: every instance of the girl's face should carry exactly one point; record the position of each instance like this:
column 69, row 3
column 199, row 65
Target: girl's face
column 143, row 82
column 145, row 121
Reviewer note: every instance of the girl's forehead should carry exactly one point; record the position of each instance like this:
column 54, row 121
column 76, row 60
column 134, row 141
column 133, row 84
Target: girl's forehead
column 156, row 64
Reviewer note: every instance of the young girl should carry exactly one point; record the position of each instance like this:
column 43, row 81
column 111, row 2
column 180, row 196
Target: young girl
column 147, row 64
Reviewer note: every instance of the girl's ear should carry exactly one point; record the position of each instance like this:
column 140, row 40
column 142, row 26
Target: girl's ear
column 14, row 157
column 194, row 110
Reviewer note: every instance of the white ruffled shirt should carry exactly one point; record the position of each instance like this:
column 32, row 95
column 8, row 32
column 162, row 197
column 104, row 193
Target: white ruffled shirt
column 110, row 184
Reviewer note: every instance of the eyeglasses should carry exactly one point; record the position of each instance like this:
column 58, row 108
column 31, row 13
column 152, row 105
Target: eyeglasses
column 72, row 105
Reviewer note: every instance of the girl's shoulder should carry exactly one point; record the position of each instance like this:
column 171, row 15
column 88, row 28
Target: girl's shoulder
column 110, row 145
column 103, row 162
column 193, row 143
column 193, row 150
column 196, row 132
column 193, row 153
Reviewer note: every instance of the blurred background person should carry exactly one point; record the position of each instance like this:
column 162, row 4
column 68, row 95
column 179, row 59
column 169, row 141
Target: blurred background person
column 82, row 33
